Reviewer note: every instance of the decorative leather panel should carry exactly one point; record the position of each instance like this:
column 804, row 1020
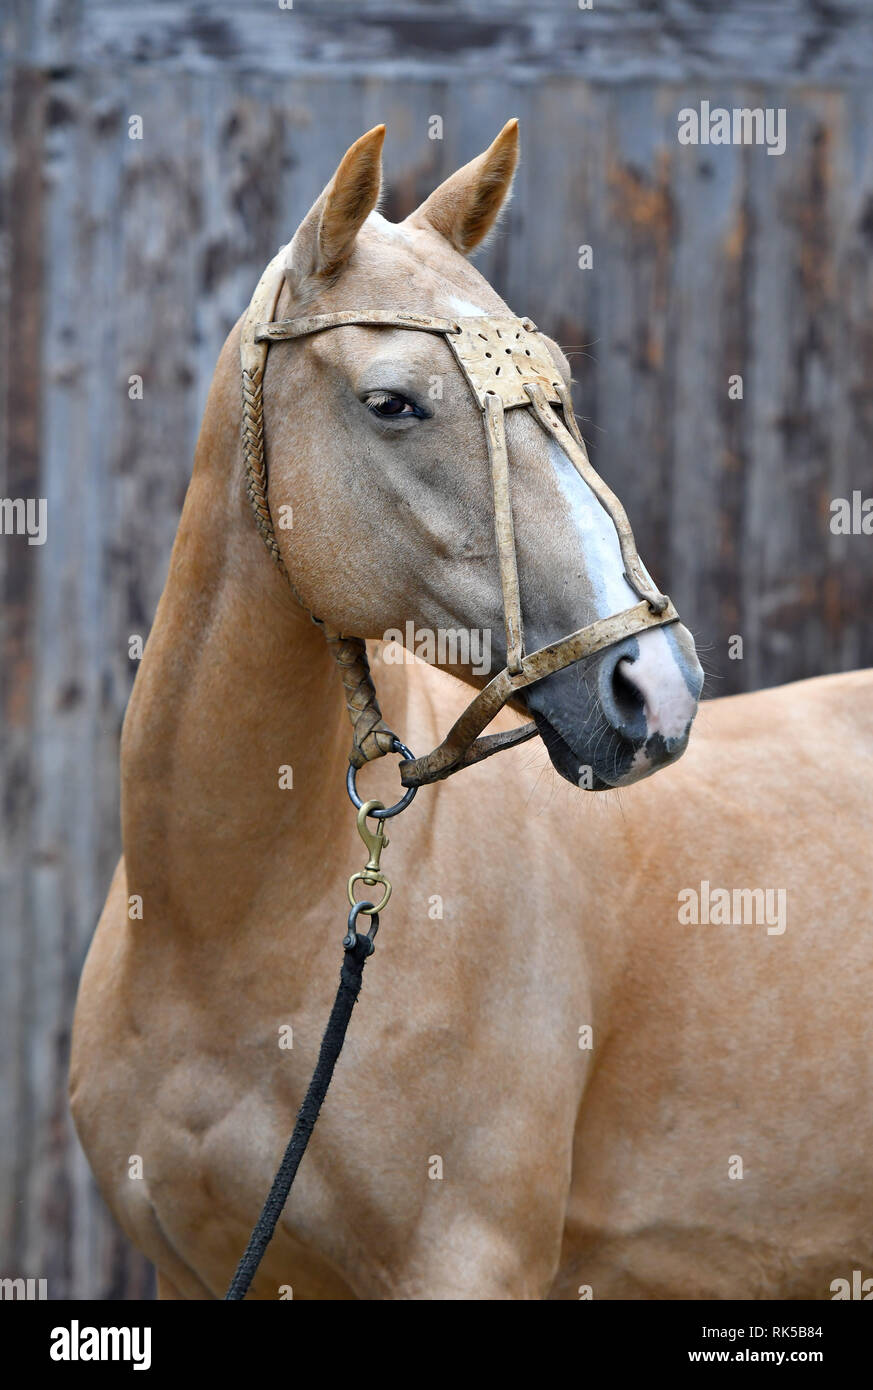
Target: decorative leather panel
column 501, row 355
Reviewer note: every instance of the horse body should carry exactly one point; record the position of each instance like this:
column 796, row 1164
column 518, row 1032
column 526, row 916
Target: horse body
column 469, row 1146
column 562, row 1167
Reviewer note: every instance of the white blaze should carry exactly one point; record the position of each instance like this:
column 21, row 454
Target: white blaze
column 667, row 701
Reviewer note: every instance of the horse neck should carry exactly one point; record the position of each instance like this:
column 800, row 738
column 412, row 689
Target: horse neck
column 236, row 683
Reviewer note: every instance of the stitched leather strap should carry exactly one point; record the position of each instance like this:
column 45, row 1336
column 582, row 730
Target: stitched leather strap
column 495, row 433
column 371, row 318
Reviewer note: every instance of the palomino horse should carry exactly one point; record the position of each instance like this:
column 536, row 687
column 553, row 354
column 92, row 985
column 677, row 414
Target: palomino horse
column 556, row 1079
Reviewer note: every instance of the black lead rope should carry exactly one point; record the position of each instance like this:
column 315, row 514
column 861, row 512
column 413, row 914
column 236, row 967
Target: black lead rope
column 356, row 950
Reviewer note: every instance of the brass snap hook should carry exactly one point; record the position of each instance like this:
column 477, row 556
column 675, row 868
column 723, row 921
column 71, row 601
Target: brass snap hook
column 375, row 841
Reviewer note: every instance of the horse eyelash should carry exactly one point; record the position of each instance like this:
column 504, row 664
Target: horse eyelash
column 376, row 398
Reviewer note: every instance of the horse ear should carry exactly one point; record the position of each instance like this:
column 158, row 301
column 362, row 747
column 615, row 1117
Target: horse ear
column 466, row 206
column 326, row 236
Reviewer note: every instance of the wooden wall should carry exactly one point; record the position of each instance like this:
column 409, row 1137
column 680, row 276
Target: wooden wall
column 120, row 256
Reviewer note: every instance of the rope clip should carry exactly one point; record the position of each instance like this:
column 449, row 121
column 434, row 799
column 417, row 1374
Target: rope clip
column 350, row 940
column 375, row 842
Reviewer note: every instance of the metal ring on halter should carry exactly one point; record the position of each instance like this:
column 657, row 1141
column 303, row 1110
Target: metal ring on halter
column 350, row 938
column 401, row 805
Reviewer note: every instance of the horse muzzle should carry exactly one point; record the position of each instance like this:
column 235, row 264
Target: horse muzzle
column 623, row 716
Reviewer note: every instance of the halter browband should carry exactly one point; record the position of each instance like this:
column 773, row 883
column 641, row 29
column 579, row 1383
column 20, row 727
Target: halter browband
column 507, row 366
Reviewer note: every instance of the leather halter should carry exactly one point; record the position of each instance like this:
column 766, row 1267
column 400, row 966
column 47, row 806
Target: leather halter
column 507, row 366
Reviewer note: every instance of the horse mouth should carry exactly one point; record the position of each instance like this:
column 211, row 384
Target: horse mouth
column 565, row 761
column 619, row 761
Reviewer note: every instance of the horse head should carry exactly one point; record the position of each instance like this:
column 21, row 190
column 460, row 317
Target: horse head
column 375, row 443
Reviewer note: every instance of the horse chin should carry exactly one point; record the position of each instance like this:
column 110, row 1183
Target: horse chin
column 574, row 768
column 619, row 763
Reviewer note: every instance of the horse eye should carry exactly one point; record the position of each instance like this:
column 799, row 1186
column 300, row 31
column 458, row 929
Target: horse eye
column 387, row 404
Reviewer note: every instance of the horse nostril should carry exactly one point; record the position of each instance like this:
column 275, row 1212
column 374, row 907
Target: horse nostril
column 627, row 697
column 621, row 698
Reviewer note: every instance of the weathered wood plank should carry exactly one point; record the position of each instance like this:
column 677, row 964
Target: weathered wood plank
column 615, row 40
column 23, row 212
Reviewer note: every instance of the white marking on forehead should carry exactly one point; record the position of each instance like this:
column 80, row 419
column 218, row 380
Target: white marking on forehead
column 464, row 306
column 598, row 539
